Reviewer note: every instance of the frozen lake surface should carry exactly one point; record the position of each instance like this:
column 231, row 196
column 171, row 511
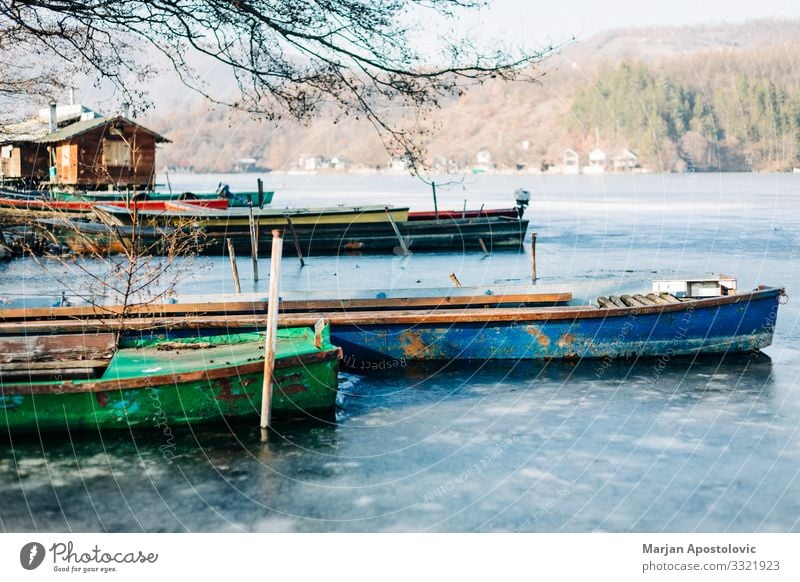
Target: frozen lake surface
column 504, row 446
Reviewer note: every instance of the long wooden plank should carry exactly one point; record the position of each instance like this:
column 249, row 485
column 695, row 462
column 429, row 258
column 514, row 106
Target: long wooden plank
column 52, row 365
column 33, row 348
column 61, row 373
column 293, row 320
column 30, row 314
column 447, row 301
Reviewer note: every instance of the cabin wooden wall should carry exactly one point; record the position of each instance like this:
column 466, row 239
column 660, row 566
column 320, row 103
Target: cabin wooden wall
column 27, row 161
column 80, row 160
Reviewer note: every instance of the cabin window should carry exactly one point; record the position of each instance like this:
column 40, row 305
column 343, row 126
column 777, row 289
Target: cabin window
column 5, row 151
column 117, row 153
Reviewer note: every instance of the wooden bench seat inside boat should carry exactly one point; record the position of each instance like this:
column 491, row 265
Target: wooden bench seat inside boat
column 70, row 356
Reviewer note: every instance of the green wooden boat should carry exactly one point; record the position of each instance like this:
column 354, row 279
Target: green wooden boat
column 161, row 383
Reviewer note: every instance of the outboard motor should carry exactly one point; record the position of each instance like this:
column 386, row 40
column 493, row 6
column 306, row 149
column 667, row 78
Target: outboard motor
column 522, row 197
column 223, row 191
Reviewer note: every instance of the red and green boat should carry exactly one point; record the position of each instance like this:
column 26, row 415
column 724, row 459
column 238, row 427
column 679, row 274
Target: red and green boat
column 60, row 383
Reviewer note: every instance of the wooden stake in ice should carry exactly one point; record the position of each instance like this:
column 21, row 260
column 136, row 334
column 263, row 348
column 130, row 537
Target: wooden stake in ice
column 253, row 242
column 235, row 271
column 297, row 248
column 271, row 342
column 403, row 247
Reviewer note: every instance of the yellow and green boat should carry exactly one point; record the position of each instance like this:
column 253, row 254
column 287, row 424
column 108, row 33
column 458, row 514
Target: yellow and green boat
column 58, row 383
column 230, row 219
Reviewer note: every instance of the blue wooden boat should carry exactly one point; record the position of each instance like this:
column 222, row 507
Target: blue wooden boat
column 730, row 324
column 628, row 326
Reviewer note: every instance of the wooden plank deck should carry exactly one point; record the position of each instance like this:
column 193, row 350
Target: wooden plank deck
column 260, row 307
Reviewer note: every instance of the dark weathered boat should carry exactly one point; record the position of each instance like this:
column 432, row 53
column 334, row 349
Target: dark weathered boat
column 57, row 382
column 343, row 234
column 232, row 218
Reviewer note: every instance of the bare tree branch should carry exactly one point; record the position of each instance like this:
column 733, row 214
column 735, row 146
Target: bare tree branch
column 289, row 59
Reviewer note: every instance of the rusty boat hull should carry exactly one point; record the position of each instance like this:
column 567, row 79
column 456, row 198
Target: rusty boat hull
column 733, row 324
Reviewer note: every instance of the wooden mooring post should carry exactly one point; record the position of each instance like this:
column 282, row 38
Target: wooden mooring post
column 234, row 269
column 403, row 247
column 260, row 184
column 533, row 257
column 435, row 202
column 297, row 248
column 253, row 242
column 271, row 340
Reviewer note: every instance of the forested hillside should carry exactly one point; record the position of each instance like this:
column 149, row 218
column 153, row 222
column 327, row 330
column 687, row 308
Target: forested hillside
column 712, row 110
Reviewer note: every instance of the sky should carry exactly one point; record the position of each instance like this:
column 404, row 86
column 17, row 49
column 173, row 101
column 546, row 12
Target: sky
column 554, row 20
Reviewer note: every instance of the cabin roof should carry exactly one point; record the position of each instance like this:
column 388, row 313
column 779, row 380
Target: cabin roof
column 81, row 127
column 31, row 130
column 27, row 131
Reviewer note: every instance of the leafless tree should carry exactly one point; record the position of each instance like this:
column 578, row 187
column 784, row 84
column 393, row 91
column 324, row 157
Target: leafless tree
column 22, row 74
column 129, row 266
column 289, row 58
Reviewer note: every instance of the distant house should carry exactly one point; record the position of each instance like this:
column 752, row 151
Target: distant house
column 23, row 158
column 307, row 162
column 570, row 162
column 337, row 163
column 597, row 162
column 103, row 152
column 245, row 165
column 249, row 165
column 625, row 161
column 483, row 157
column 399, row 164
column 310, row 163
